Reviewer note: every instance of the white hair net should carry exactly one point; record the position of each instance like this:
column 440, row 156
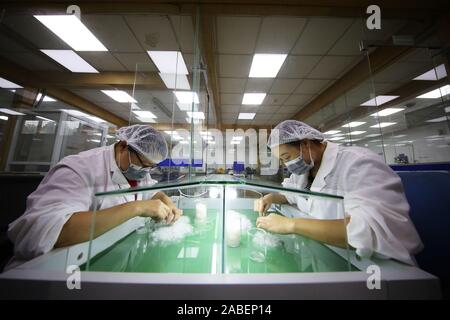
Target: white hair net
column 292, row 130
column 146, row 140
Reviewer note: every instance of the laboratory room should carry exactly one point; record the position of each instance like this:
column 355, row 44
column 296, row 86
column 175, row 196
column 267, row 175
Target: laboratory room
column 255, row 150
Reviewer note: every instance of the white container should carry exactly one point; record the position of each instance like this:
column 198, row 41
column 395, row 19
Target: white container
column 233, row 231
column 200, row 211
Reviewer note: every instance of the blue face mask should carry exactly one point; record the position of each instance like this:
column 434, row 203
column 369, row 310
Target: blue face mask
column 135, row 172
column 298, row 165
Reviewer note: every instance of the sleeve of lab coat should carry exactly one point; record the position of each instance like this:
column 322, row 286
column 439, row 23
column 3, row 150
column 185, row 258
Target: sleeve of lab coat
column 61, row 193
column 378, row 209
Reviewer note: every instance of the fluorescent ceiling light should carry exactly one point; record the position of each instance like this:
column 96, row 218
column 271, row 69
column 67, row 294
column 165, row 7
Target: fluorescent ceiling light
column 246, row 116
column 72, row 31
column 433, row 74
column 253, row 98
column 168, row 61
column 383, row 124
column 373, row 135
column 437, row 93
column 45, row 119
column 440, row 119
column 46, row 98
column 332, row 131
column 336, row 138
column 94, row 140
column 6, row 84
column 387, row 112
column 355, row 133
column 353, row 124
column 186, row 97
column 4, row 118
column 400, row 136
column 119, row 96
column 11, row 112
column 149, row 120
column 432, row 137
column 266, row 65
column 196, row 115
column 144, row 114
column 378, row 101
column 173, row 81
column 70, row 60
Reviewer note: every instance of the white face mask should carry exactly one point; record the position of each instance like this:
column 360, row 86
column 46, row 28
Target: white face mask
column 298, row 165
column 134, row 172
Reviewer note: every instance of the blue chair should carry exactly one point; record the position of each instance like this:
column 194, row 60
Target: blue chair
column 428, row 194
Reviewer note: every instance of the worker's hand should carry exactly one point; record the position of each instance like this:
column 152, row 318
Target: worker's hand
column 174, row 215
column 265, row 203
column 155, row 209
column 276, row 223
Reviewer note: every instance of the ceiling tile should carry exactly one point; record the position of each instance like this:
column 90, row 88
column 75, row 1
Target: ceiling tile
column 330, row 67
column 289, row 109
column 237, row 66
column 284, row 86
column 230, row 108
column 184, row 31
column 298, row 99
column 33, row 62
column 320, row 34
column 232, row 85
column 258, row 85
column 6, row 45
column 250, row 109
column 102, row 61
column 268, row 109
column 312, row 86
column 275, row 99
column 237, row 35
column 230, row 98
column 349, row 43
column 278, row 34
column 297, row 66
column 130, row 60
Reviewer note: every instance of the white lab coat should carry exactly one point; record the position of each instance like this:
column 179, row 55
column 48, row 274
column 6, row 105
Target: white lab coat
column 67, row 188
column 373, row 198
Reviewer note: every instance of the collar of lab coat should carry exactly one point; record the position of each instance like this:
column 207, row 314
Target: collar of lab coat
column 326, row 165
column 116, row 174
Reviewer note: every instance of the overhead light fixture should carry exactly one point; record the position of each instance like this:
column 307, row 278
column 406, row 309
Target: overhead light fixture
column 387, row 112
column 171, row 62
column 4, row 118
column 383, row 124
column 144, row 114
column 46, row 98
column 400, row 136
column 196, row 115
column 332, row 132
column 6, row 84
column 70, row 60
column 440, row 119
column 175, row 81
column 355, row 133
column 253, row 98
column 378, row 101
column 246, row 116
column 11, row 112
column 353, row 124
column 373, row 135
column 336, row 138
column 266, row 65
column 148, row 120
column 119, row 96
column 434, row 74
column 45, row 119
column 437, row 93
column 187, row 97
column 72, row 31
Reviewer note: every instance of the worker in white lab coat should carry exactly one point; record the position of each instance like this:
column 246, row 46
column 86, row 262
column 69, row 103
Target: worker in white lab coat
column 59, row 213
column 376, row 210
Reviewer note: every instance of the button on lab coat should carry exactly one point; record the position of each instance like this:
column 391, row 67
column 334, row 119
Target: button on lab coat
column 373, row 198
column 69, row 187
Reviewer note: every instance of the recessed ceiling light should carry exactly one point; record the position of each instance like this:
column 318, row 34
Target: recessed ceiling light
column 387, row 112
column 246, row 116
column 6, row 84
column 4, row 118
column 46, row 98
column 119, row 96
column 144, row 114
column 174, row 81
column 383, row 124
column 11, row 112
column 171, row 62
column 434, row 74
column 353, row 124
column 70, row 60
column 72, row 31
column 437, row 93
column 266, row 65
column 440, row 119
column 253, row 98
column 196, row 115
column 332, row 132
column 378, row 101
column 355, row 133
column 188, row 97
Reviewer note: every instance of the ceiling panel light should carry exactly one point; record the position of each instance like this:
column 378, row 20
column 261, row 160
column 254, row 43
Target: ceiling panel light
column 186, row 97
column 4, row 118
column 387, row 112
column 332, row 132
column 433, row 74
column 378, row 101
column 72, row 31
column 383, row 124
column 144, row 114
column 253, row 98
column 11, row 112
column 173, row 81
column 119, row 96
column 46, row 98
column 266, row 65
column 373, row 135
column 437, row 93
column 353, row 124
column 70, row 60
column 6, row 84
column 171, row 62
column 246, row 116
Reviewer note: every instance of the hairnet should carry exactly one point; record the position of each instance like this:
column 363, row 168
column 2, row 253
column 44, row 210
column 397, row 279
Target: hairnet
column 146, row 140
column 293, row 130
